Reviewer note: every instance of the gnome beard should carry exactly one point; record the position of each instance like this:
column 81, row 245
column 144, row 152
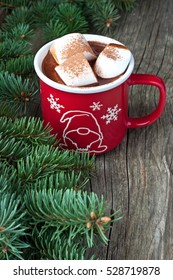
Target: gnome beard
column 78, row 135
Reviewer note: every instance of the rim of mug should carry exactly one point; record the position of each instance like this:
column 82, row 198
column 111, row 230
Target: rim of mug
column 41, row 53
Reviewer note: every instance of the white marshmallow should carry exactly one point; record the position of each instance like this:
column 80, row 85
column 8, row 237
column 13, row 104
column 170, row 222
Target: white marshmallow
column 112, row 61
column 76, row 71
column 70, row 44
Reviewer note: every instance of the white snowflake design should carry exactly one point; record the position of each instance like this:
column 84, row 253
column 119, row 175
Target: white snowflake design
column 96, row 106
column 54, row 104
column 112, row 114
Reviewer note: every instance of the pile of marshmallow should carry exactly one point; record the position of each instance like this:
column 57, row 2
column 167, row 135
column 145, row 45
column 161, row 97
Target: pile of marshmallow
column 73, row 53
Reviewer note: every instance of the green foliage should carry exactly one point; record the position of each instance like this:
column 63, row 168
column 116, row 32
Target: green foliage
column 28, row 130
column 67, row 211
column 51, row 246
column 16, row 93
column 22, row 65
column 12, row 228
column 45, row 211
column 62, row 180
column 19, row 32
column 18, row 15
column 10, row 149
column 71, row 15
column 43, row 12
column 127, row 5
column 54, row 29
column 30, row 164
column 105, row 16
column 12, row 48
column 7, row 178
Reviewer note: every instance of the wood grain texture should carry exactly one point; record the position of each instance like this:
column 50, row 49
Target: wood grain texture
column 137, row 176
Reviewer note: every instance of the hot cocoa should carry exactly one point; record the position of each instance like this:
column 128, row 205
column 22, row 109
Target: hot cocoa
column 77, row 62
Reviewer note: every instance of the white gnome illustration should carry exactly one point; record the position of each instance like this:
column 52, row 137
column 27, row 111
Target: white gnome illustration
column 82, row 132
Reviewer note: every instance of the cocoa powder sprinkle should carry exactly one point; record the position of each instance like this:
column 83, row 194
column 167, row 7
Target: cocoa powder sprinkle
column 112, row 52
column 75, row 45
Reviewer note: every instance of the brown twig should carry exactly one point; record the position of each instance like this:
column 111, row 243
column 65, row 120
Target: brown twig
column 7, row 4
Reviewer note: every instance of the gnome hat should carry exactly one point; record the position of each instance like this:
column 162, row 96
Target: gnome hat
column 82, row 123
column 81, row 119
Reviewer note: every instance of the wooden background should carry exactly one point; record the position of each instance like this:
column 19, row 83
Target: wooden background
column 137, row 176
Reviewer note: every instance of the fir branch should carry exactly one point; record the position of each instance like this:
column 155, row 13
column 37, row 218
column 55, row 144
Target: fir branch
column 79, row 3
column 72, row 16
column 12, row 48
column 105, row 16
column 55, row 28
column 16, row 94
column 82, row 162
column 46, row 160
column 28, row 130
column 43, row 11
column 92, row 4
column 23, row 135
column 66, row 18
column 54, row 247
column 11, row 150
column 61, row 180
column 69, row 210
column 12, row 228
column 18, row 15
column 8, row 178
column 22, row 31
column 127, row 5
column 20, row 66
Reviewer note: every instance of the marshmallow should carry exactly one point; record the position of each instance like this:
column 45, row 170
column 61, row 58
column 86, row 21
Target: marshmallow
column 112, row 61
column 68, row 45
column 76, row 71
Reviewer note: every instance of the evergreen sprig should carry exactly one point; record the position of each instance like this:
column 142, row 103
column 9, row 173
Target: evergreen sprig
column 27, row 130
column 19, row 32
column 45, row 160
column 29, row 145
column 28, row 164
column 105, row 16
column 21, row 14
column 11, row 150
column 63, row 180
column 79, row 213
column 127, row 5
column 8, row 178
column 12, row 228
column 16, row 93
column 54, row 247
column 12, row 48
column 66, row 18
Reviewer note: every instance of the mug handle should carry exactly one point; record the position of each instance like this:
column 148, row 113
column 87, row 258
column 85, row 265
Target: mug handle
column 147, row 79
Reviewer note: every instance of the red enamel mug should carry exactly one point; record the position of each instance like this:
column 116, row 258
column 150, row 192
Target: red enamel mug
column 93, row 119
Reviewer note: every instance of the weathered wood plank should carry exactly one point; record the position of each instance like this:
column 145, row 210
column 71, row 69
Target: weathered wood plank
column 137, row 175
